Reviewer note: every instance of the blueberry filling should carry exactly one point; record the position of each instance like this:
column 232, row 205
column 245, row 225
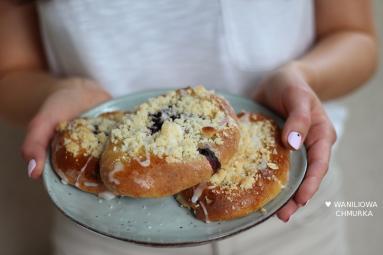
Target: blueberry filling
column 159, row 117
column 210, row 156
column 157, row 122
column 96, row 130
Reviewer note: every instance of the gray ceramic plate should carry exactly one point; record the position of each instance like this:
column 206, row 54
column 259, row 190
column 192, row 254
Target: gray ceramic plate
column 160, row 222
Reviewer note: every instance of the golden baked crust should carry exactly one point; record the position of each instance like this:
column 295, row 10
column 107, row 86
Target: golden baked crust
column 76, row 149
column 170, row 143
column 247, row 182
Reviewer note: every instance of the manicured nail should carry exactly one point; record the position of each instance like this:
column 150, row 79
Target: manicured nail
column 31, row 167
column 294, row 139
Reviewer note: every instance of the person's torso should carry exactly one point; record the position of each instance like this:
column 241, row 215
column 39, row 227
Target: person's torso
column 138, row 45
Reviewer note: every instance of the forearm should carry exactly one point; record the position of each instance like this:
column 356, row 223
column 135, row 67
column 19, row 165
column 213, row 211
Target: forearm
column 24, row 83
column 22, row 93
column 339, row 63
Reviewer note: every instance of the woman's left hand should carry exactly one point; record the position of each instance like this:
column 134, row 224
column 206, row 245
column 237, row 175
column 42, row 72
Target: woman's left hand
column 287, row 92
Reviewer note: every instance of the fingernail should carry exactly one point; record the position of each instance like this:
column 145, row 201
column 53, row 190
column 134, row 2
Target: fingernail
column 294, row 139
column 31, row 167
column 304, row 204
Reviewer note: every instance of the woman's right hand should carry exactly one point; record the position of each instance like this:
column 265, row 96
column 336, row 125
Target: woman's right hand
column 67, row 99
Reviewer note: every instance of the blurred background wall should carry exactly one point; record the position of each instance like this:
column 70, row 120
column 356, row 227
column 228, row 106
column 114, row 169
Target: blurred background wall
column 360, row 153
column 26, row 212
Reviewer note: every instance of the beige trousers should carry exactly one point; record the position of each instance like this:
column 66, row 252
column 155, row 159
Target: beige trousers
column 314, row 229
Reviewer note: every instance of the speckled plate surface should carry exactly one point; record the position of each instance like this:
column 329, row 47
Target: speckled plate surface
column 160, row 222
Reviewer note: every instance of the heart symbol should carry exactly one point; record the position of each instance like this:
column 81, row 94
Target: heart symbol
column 328, row 203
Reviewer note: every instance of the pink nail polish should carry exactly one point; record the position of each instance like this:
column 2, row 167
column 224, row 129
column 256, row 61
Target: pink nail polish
column 31, row 167
column 294, row 139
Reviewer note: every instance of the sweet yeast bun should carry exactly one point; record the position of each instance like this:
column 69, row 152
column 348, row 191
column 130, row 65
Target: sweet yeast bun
column 170, row 143
column 253, row 177
column 76, row 149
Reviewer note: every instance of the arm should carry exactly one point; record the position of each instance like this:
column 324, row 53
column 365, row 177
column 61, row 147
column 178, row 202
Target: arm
column 343, row 57
column 25, row 84
column 21, row 63
column 345, row 53
column 29, row 95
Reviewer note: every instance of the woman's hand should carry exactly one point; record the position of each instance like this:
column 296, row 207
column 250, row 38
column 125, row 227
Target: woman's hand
column 66, row 100
column 287, row 92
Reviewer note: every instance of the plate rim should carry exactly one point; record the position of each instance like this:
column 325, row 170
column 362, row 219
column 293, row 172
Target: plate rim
column 218, row 237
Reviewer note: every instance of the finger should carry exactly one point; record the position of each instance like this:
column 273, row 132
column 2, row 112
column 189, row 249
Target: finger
column 297, row 105
column 319, row 152
column 287, row 210
column 33, row 150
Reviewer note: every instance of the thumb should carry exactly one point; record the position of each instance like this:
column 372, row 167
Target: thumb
column 297, row 105
column 40, row 131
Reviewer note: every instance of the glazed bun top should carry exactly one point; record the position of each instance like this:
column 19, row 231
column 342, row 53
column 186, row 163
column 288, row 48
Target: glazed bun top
column 175, row 126
column 87, row 136
column 256, row 148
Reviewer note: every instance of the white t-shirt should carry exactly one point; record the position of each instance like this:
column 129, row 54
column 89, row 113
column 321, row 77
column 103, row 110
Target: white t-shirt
column 134, row 45
column 129, row 45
